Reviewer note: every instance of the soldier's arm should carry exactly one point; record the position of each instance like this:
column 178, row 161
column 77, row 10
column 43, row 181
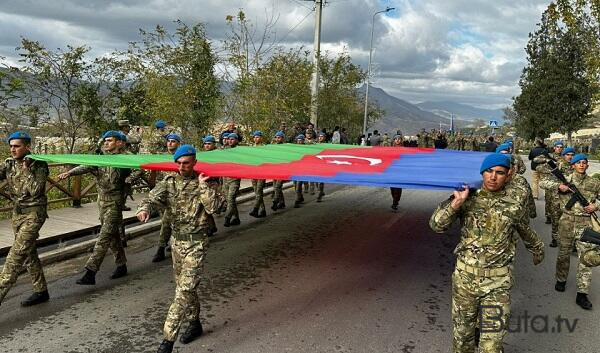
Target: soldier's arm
column 443, row 217
column 157, row 198
column 548, row 181
column 531, row 239
column 211, row 198
column 82, row 169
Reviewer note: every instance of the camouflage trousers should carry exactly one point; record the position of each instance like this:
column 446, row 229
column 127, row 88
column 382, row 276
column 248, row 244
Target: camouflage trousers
column 278, row 192
column 165, row 229
column 298, row 186
column 23, row 252
column 570, row 229
column 111, row 218
column 258, row 185
column 479, row 298
column 231, row 189
column 312, row 186
column 553, row 211
column 188, row 261
column 396, row 195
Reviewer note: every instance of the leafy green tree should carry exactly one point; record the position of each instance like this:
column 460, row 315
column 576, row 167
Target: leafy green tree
column 174, row 80
column 556, row 92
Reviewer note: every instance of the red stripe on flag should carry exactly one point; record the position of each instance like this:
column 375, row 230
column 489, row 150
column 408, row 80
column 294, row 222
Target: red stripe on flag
column 325, row 163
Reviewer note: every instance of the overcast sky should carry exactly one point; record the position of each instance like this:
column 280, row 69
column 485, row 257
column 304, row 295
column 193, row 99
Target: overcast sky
column 466, row 51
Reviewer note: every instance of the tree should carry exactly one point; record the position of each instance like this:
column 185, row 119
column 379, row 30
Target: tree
column 556, row 92
column 69, row 95
column 173, row 79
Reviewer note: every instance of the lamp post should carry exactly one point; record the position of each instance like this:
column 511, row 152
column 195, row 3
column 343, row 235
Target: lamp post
column 387, row 9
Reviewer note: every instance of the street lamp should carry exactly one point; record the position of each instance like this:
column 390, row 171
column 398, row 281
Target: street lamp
column 387, row 9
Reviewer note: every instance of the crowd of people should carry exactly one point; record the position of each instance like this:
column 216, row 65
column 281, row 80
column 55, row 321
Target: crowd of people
column 492, row 219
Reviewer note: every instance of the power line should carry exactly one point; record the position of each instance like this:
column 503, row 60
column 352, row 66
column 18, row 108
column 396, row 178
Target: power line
column 299, row 3
column 296, row 26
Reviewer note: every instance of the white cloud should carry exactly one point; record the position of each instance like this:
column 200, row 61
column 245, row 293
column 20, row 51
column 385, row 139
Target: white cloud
column 463, row 50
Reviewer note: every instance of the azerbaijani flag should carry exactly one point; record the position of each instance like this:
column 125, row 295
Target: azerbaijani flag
column 402, row 167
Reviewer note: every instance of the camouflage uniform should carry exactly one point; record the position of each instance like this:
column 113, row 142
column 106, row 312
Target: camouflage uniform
column 571, row 226
column 166, row 219
column 278, row 198
column 27, row 190
column 259, row 185
column 552, row 208
column 189, row 201
column 485, row 254
column 231, row 189
column 591, row 257
column 156, row 142
column 520, row 165
column 111, row 183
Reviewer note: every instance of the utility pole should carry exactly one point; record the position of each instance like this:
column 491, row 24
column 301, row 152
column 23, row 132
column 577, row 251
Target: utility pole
column 314, row 86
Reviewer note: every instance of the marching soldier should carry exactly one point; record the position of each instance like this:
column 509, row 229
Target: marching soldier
column 258, row 185
column 26, row 187
column 552, row 208
column 322, row 138
column 278, row 198
column 482, row 279
column 232, row 188
column 209, row 143
column 572, row 223
column 157, row 139
column 132, row 143
column 517, row 182
column 110, row 182
column 173, row 143
column 189, row 196
column 298, row 184
column 396, row 192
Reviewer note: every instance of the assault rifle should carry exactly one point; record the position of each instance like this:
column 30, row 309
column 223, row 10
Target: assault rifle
column 589, row 235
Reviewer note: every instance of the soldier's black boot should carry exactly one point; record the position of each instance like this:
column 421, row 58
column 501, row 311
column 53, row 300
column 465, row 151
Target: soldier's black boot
column 548, row 220
column 320, row 196
column 262, row 214
column 89, row 278
column 227, row 222
column 297, row 204
column 553, row 243
column 560, row 286
column 254, row 213
column 281, row 205
column 583, row 301
column 274, row 207
column 235, row 222
column 166, row 347
column 120, row 271
column 193, row 331
column 160, row 254
column 36, row 298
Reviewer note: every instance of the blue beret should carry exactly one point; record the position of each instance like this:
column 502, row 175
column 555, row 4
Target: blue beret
column 300, row 137
column 173, row 137
column 209, row 139
column 257, row 133
column 184, row 150
column 233, row 135
column 503, row 147
column 568, row 150
column 397, row 137
column 559, row 142
column 19, row 135
column 322, row 134
column 225, row 135
column 279, row 134
column 495, row 160
column 116, row 134
column 160, row 124
column 578, row 157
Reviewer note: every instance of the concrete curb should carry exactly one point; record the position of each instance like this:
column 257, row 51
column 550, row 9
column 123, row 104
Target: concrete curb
column 74, row 250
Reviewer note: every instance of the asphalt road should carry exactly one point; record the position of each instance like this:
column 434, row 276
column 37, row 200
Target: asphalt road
column 345, row 275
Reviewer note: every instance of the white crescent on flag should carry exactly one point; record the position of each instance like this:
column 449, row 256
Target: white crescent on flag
column 372, row 161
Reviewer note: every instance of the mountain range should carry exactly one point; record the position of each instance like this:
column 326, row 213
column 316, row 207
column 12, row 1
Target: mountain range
column 411, row 118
